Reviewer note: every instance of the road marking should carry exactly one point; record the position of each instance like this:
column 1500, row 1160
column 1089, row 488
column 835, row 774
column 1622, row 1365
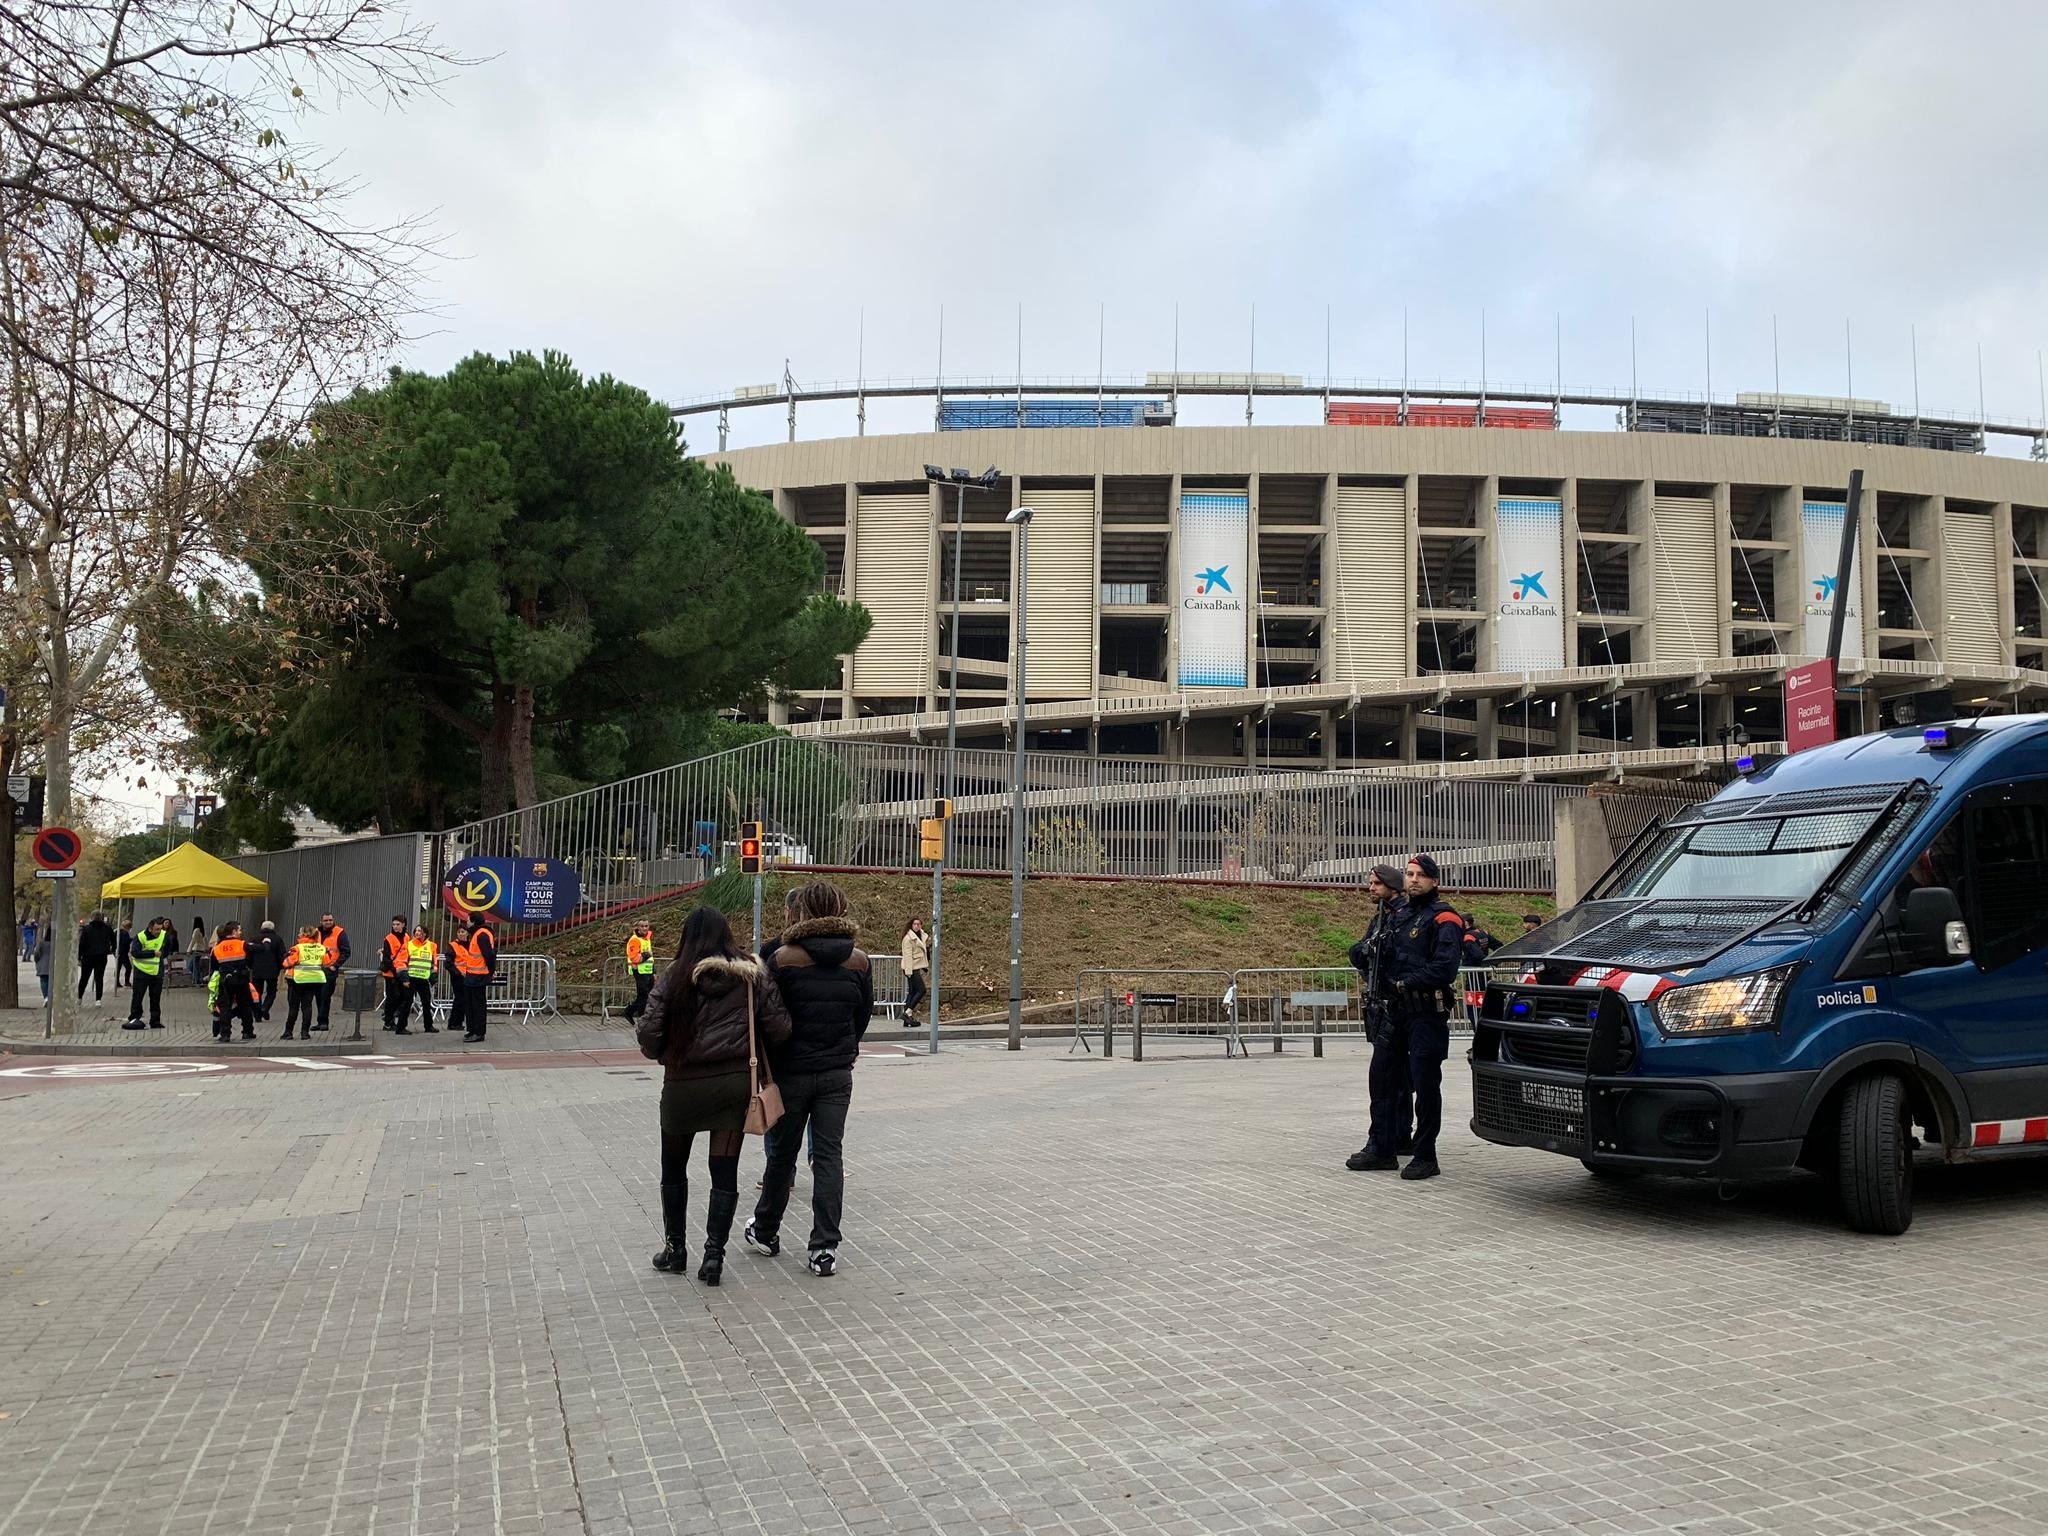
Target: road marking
column 308, row 1062
column 85, row 1070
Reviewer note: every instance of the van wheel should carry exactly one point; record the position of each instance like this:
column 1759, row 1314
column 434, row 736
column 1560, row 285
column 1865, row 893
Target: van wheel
column 1874, row 1158
column 1608, row 1174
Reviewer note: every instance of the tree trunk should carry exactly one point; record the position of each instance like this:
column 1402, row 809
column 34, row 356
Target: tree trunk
column 57, row 813
column 523, row 792
column 508, row 750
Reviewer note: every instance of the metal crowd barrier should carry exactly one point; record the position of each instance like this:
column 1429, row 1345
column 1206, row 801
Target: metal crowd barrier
column 1298, row 1000
column 1173, row 1002
column 890, row 987
column 614, row 981
column 524, row 988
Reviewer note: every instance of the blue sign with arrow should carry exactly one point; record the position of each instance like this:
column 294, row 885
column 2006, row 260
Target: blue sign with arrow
column 518, row 890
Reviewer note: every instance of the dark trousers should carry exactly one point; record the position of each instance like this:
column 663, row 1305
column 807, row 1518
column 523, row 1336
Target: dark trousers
column 325, row 999
column 916, row 994
column 470, row 1010
column 123, row 972
column 397, row 1002
column 1393, row 1097
column 95, row 971
column 301, row 1000
column 1428, row 1038
column 235, row 1003
column 266, row 998
column 817, row 1102
column 151, row 987
column 422, row 988
column 642, row 985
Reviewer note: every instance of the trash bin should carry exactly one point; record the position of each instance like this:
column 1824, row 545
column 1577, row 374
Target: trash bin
column 358, row 991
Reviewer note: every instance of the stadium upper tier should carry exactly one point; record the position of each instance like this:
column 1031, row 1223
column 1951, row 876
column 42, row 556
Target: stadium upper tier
column 1340, row 596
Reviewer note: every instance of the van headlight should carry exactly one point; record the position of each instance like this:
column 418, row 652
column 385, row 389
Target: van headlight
column 1733, row 1005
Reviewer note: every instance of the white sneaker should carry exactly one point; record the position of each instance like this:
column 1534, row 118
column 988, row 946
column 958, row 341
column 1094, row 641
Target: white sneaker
column 823, row 1263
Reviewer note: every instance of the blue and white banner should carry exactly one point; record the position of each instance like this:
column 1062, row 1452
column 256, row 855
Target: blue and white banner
column 1820, row 530
column 1529, row 558
column 1213, row 582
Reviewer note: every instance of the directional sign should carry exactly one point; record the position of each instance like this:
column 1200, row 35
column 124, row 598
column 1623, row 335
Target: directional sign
column 521, row 890
column 56, row 848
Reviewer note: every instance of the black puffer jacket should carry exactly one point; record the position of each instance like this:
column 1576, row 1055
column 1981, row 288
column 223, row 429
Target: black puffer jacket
column 714, row 1041
column 829, row 989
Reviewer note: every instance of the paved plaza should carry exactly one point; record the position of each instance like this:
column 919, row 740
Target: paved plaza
column 1077, row 1297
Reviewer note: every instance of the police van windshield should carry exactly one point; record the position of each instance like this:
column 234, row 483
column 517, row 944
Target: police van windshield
column 1782, row 858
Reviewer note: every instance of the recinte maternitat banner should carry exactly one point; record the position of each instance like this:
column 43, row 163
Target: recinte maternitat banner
column 1529, row 569
column 1820, row 530
column 1213, row 578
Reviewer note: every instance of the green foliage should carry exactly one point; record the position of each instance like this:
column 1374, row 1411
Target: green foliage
column 570, row 601
column 1220, row 914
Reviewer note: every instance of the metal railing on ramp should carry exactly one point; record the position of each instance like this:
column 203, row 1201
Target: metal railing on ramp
column 1185, row 1004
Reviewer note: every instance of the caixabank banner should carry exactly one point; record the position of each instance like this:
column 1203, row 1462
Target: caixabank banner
column 1529, row 547
column 1214, row 581
column 1820, row 527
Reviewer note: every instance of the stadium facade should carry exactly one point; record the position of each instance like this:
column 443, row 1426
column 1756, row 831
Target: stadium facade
column 1408, row 591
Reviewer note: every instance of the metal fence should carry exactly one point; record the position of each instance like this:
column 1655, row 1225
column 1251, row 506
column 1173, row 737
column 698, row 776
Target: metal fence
column 364, row 882
column 1180, row 1003
column 523, row 989
column 857, row 804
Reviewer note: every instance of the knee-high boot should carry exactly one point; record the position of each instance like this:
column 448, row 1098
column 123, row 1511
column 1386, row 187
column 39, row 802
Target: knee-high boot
column 674, row 1258
column 717, row 1228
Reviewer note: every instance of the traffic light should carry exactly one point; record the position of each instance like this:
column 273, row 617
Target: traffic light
column 931, row 838
column 751, row 861
column 942, row 810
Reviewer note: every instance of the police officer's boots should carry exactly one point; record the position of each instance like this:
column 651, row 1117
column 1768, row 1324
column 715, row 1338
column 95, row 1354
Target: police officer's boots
column 674, row 1258
column 717, row 1228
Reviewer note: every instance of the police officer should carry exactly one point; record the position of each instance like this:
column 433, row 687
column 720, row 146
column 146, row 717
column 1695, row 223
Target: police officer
column 1387, row 1079
column 1428, row 945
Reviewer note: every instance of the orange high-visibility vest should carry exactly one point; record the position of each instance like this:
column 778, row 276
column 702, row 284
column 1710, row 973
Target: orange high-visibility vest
column 469, row 961
column 394, row 953
column 332, row 944
column 228, row 951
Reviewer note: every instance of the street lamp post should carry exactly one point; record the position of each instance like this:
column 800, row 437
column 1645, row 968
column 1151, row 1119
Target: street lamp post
column 962, row 483
column 1021, row 518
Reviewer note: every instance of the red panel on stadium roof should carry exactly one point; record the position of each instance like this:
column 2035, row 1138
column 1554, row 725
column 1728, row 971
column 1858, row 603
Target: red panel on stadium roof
column 1385, row 413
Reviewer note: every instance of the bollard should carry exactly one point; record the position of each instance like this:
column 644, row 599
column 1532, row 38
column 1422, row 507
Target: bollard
column 1138, row 1032
column 1319, row 1033
column 1108, row 1028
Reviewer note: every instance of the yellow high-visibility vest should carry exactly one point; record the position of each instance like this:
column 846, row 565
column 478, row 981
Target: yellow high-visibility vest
column 419, row 959
column 309, row 962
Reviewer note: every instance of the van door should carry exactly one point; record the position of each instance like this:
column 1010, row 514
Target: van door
column 1994, row 1006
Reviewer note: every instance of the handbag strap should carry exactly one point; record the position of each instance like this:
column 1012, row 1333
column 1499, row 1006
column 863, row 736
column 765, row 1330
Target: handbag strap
column 753, row 1049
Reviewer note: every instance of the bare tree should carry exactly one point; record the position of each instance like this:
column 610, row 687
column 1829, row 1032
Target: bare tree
column 179, row 284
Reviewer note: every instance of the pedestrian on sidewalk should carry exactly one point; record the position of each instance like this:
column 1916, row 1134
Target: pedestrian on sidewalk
column 237, row 994
column 419, row 975
column 95, row 947
column 43, row 961
column 146, row 958
column 391, row 963
column 308, row 974
column 640, row 966
column 28, row 938
column 334, row 939
column 828, row 988
column 706, row 1019
column 266, row 965
column 473, row 958
column 198, row 953
column 917, row 970
column 124, row 942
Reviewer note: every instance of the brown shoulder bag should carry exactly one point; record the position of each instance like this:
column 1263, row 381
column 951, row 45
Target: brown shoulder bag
column 764, row 1103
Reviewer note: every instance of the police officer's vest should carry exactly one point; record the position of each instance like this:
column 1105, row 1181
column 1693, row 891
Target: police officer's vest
column 309, row 957
column 640, row 955
column 419, row 959
column 146, row 957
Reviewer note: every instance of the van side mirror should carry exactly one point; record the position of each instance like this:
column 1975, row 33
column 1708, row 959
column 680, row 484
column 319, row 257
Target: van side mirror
column 1933, row 927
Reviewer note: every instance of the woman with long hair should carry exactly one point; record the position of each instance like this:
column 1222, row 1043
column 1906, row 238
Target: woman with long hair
column 828, row 987
column 917, row 969
column 697, row 1024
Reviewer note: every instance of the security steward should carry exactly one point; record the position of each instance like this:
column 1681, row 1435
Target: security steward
column 1392, row 1128
column 146, row 961
column 419, row 975
column 237, row 997
column 1428, row 945
column 475, row 956
column 640, row 966
column 334, row 940
column 391, row 963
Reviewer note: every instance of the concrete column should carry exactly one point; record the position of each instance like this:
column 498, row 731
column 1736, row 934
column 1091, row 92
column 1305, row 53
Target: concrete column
column 1568, row 577
column 1866, row 552
column 1489, row 728
column 852, row 569
column 1584, row 849
column 1326, row 518
column 1409, row 729
column 1095, row 610
column 1789, row 591
column 1411, row 493
column 1568, row 722
column 1485, row 575
column 1254, row 611
column 1173, row 592
column 1724, row 575
column 1251, row 741
column 936, row 571
column 2002, row 573
column 1329, row 718
column 1642, row 569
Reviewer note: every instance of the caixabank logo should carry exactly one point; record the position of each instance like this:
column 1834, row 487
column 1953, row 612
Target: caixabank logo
column 1212, row 590
column 1529, row 593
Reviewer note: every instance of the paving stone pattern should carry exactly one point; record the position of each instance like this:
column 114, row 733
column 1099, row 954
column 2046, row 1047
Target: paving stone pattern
column 1076, row 1298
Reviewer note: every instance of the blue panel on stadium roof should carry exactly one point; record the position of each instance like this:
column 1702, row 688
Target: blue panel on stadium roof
column 967, row 415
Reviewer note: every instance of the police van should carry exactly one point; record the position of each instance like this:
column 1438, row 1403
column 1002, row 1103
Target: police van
column 1839, row 960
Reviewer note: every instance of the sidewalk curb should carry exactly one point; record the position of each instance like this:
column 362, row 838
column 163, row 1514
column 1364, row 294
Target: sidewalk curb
column 206, row 1049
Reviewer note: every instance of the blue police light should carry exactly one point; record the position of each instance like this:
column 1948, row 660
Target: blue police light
column 1519, row 1008
column 1745, row 766
column 1936, row 737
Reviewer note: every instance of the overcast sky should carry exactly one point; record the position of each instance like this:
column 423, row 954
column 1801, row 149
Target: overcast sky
column 686, row 194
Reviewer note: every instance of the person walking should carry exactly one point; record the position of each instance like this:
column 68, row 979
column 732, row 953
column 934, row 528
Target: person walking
column 1390, row 1131
column 706, row 1021
column 237, row 992
column 828, row 988
column 391, row 963
column 146, row 957
column 198, row 953
column 474, row 954
column 306, row 975
column 419, row 975
column 28, row 938
column 124, row 943
column 95, row 947
column 640, row 966
column 917, row 970
column 266, row 965
column 333, row 939
column 1427, row 948
column 43, row 961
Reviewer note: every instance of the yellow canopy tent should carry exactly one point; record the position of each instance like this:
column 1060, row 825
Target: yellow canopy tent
column 187, row 870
